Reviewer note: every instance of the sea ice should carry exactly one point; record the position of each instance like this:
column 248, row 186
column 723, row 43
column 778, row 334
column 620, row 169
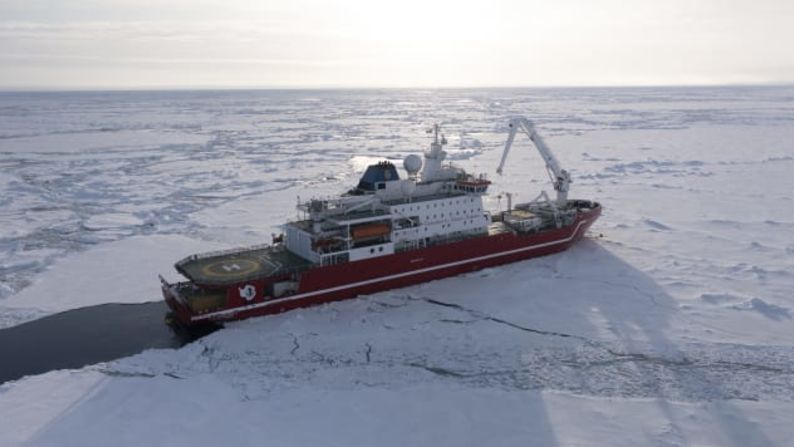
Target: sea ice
column 671, row 325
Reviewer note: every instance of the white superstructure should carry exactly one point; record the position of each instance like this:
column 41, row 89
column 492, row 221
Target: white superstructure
column 435, row 204
column 385, row 213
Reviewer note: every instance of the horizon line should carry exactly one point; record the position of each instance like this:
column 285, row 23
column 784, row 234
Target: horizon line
column 211, row 87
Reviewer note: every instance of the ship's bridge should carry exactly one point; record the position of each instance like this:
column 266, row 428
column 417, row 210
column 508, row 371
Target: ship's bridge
column 377, row 175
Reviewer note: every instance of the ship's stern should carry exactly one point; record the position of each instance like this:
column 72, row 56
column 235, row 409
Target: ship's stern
column 180, row 312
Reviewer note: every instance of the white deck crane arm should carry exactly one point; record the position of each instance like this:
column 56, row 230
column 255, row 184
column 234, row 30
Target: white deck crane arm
column 559, row 177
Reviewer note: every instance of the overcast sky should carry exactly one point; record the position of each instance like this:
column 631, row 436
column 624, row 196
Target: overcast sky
column 399, row 43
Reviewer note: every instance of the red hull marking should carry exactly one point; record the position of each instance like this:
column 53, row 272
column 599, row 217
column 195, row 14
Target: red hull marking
column 344, row 281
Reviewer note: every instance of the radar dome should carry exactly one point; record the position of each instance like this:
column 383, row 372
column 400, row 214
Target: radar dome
column 412, row 164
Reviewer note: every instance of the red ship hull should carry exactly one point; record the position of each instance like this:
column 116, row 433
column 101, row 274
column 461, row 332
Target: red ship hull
column 343, row 281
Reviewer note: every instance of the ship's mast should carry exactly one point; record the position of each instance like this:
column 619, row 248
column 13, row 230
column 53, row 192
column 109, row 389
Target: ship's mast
column 435, row 156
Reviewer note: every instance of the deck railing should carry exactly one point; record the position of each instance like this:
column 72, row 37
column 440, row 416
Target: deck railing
column 228, row 251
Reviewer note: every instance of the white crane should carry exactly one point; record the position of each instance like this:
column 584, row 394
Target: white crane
column 559, row 177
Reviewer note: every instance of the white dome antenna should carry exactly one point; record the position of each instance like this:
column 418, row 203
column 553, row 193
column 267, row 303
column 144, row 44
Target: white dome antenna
column 412, row 164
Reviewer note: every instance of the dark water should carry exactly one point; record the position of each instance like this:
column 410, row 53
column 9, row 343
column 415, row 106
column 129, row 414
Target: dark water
column 86, row 336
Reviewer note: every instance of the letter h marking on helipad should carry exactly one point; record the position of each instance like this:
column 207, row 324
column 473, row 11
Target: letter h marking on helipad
column 230, row 268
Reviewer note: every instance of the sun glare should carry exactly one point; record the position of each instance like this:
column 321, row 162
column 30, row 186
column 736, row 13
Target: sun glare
column 412, row 43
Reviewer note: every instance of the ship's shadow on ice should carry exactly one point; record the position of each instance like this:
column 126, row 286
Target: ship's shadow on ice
column 593, row 324
column 640, row 320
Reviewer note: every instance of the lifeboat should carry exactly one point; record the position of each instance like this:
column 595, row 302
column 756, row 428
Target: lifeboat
column 370, row 231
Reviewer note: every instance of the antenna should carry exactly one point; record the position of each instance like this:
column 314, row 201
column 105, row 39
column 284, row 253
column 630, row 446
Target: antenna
column 412, row 165
column 436, row 130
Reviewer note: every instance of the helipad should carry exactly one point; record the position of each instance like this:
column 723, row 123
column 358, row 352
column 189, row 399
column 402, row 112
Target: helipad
column 239, row 266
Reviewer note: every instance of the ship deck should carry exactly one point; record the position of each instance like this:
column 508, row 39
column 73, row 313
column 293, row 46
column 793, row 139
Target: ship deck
column 498, row 228
column 240, row 265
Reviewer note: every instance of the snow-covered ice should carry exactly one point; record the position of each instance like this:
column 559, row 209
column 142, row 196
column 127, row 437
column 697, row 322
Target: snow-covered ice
column 671, row 325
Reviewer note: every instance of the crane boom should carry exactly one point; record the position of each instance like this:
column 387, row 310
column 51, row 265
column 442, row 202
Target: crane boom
column 559, row 177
